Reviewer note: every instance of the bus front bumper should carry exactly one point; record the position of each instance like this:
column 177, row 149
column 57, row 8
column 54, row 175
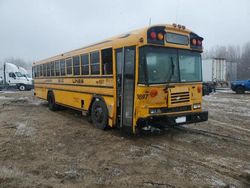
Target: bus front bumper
column 176, row 119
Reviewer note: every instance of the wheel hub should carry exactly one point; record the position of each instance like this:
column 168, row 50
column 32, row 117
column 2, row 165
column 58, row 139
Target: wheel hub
column 99, row 114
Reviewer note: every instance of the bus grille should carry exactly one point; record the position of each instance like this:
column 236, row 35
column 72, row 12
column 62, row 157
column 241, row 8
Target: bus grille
column 175, row 109
column 181, row 97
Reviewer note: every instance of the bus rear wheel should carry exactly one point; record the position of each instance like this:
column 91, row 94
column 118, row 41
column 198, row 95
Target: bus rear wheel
column 52, row 103
column 99, row 114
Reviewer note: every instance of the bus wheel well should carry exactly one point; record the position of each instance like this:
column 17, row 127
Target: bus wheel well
column 94, row 98
column 50, row 92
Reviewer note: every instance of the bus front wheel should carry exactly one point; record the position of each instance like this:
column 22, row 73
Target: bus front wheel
column 99, row 114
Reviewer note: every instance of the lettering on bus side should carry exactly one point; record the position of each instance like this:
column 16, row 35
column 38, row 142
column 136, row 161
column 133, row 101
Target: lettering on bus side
column 48, row 81
column 100, row 82
column 78, row 81
column 60, row 80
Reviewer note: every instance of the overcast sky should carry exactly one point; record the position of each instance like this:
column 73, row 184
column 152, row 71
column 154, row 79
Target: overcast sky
column 37, row 29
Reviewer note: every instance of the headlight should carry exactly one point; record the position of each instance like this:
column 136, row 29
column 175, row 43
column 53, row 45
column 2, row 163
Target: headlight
column 155, row 111
column 197, row 106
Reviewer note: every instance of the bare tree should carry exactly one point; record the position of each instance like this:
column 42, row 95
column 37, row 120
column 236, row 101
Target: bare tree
column 18, row 62
column 244, row 65
column 233, row 53
column 230, row 53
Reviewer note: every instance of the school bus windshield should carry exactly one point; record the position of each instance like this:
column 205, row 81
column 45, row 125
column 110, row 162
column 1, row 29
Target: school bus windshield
column 159, row 65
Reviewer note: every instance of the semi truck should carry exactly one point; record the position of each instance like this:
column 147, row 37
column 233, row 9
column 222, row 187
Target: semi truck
column 25, row 73
column 217, row 72
column 12, row 77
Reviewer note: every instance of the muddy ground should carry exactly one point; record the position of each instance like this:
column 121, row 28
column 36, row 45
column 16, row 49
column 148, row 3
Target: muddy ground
column 40, row 148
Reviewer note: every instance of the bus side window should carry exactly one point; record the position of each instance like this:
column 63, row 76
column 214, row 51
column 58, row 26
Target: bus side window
column 35, row 71
column 41, row 70
column 95, row 63
column 48, row 69
column 44, row 70
column 62, row 67
column 57, row 68
column 107, row 61
column 85, row 64
column 52, row 68
column 69, row 66
column 76, row 65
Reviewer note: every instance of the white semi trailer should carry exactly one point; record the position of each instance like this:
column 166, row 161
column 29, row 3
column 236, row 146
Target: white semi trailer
column 12, row 77
column 219, row 71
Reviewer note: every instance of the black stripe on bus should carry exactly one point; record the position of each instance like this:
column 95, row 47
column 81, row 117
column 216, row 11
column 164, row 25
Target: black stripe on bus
column 77, row 85
column 72, row 107
column 106, row 95
column 58, row 77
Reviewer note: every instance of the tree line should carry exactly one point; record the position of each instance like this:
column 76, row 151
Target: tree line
column 17, row 61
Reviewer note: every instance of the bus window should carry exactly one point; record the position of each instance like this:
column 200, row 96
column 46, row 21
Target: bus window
column 62, row 67
column 85, row 64
column 57, row 68
column 69, row 66
column 48, row 69
column 76, row 65
column 95, row 63
column 35, row 71
column 41, row 70
column 44, row 70
column 107, row 61
column 52, row 68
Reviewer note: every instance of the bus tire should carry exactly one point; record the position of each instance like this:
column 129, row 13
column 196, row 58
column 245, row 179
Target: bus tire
column 99, row 114
column 240, row 90
column 22, row 87
column 51, row 102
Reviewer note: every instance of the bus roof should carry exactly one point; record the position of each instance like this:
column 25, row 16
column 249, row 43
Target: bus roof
column 129, row 37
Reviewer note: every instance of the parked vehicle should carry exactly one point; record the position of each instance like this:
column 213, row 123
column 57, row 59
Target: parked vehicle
column 26, row 74
column 240, row 86
column 12, row 78
column 217, row 72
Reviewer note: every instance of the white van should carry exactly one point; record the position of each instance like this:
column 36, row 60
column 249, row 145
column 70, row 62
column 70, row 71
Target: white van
column 12, row 76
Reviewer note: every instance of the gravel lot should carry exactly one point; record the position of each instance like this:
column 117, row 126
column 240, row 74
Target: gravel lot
column 40, row 148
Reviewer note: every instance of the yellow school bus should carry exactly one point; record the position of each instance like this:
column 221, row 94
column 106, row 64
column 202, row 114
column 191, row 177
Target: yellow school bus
column 137, row 80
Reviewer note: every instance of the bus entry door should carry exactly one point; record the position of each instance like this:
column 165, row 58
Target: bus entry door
column 125, row 69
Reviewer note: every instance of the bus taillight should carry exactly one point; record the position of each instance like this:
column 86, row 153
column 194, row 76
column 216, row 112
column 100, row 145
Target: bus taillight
column 153, row 35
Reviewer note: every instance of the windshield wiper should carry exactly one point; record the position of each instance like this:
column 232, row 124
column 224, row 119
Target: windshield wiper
column 172, row 70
